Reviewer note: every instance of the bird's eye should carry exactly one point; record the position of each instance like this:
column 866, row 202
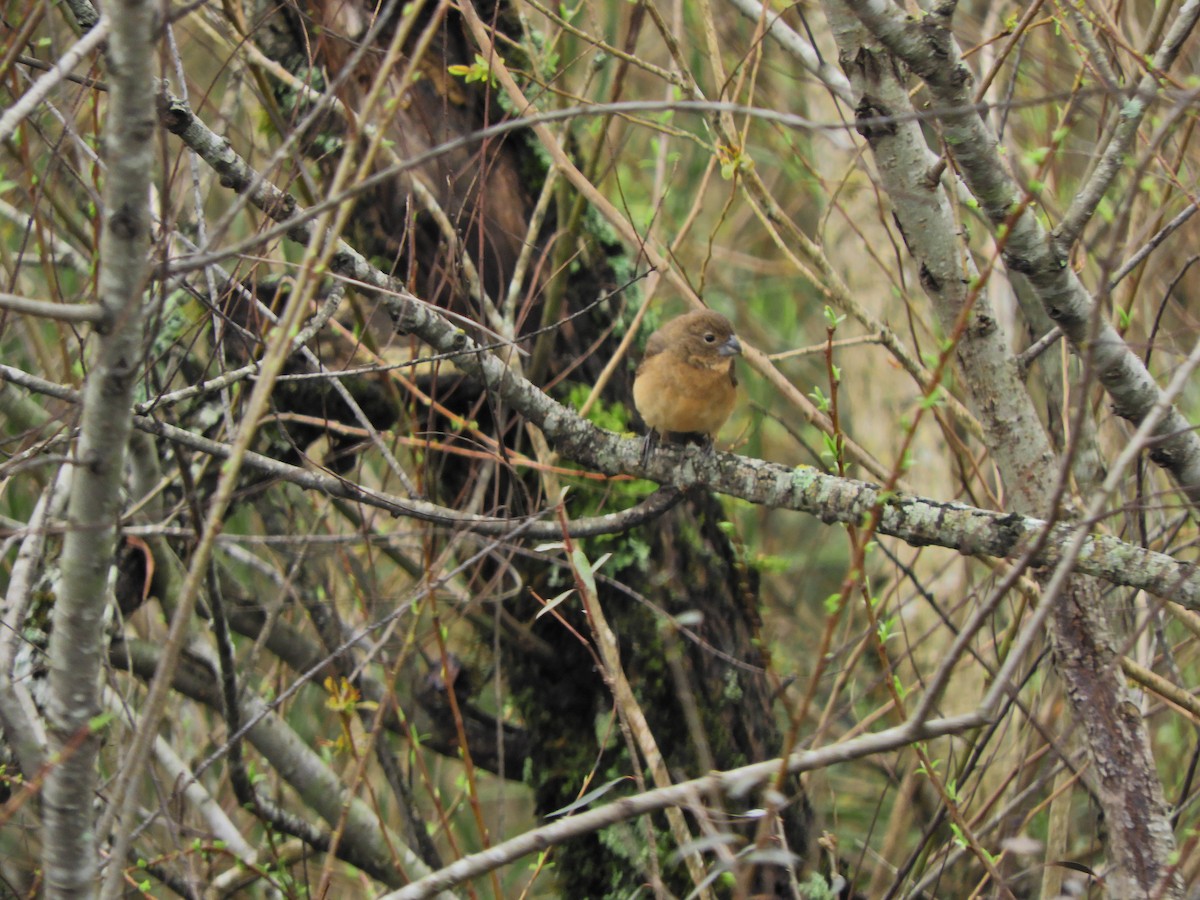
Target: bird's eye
column 709, row 338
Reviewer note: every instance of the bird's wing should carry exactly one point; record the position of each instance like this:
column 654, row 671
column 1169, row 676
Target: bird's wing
column 656, row 345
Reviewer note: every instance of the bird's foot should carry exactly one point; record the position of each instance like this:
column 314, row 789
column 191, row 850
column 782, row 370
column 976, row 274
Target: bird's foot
column 649, row 442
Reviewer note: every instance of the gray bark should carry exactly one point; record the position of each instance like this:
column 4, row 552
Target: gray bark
column 78, row 637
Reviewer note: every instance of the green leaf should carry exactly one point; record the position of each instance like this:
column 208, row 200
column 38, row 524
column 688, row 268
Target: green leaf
column 587, row 798
column 551, row 604
column 583, row 568
column 1037, row 157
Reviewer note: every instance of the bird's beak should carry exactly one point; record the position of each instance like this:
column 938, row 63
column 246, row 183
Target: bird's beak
column 731, row 347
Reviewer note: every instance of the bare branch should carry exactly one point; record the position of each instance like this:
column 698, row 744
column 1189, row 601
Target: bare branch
column 33, row 97
column 930, row 50
column 61, row 312
column 78, row 635
column 918, row 521
column 737, row 783
column 1129, row 117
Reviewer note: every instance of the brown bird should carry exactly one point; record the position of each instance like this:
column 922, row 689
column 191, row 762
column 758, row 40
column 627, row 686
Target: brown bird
column 685, row 383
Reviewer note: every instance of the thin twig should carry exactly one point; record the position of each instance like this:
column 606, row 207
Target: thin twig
column 33, row 97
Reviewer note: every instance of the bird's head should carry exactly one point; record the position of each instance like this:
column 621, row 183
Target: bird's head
column 707, row 338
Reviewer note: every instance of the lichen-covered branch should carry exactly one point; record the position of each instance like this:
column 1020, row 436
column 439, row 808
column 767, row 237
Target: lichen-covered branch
column 78, row 636
column 928, row 48
column 363, row 843
column 1139, row 839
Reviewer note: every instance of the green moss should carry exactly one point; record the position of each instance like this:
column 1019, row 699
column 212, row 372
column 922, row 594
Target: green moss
column 611, row 416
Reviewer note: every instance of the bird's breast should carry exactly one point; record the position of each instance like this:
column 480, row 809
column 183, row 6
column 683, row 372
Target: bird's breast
column 672, row 395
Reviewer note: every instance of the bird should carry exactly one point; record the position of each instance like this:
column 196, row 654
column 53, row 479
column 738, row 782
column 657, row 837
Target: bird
column 685, row 383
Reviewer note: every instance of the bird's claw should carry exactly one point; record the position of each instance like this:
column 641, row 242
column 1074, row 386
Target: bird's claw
column 649, row 442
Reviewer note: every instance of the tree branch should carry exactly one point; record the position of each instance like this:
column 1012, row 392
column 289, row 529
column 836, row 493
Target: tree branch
column 1139, row 841
column 732, row 783
column 928, row 48
column 78, row 635
column 916, row 520
column 1129, row 119
column 364, row 844
column 72, row 57
column 61, row 312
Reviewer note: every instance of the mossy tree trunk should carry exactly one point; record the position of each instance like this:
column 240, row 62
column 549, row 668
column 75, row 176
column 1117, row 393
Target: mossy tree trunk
column 677, row 591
